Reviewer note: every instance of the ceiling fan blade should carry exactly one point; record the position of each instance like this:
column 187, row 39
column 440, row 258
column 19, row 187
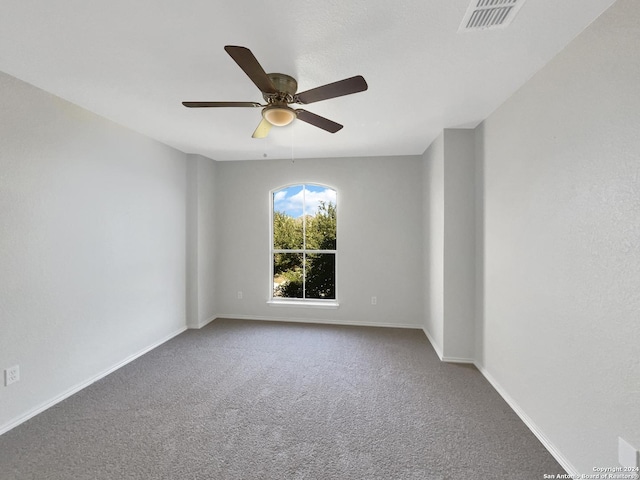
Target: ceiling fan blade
column 250, row 65
column 318, row 121
column 220, row 104
column 263, row 129
column 336, row 89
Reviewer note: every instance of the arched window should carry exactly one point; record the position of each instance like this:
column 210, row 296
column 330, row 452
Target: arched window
column 303, row 243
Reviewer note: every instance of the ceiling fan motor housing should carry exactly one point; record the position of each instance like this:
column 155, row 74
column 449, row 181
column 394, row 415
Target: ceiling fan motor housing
column 278, row 112
column 283, row 83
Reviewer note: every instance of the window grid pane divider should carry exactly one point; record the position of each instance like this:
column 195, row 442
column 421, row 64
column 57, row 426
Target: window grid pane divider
column 304, row 251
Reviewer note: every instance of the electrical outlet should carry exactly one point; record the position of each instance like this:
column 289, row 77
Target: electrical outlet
column 11, row 375
column 239, row 295
column 374, row 300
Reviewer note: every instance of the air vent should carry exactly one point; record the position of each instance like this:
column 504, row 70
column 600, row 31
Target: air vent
column 489, row 14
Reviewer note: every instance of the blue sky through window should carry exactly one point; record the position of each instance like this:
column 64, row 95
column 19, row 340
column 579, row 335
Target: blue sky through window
column 290, row 200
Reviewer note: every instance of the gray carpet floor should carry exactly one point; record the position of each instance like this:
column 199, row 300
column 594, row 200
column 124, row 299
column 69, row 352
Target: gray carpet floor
column 264, row 400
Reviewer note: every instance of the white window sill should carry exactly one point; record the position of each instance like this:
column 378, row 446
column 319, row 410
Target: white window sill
column 303, row 303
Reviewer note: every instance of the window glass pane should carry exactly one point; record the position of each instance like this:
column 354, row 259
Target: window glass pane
column 321, row 275
column 287, row 218
column 287, row 275
column 320, row 216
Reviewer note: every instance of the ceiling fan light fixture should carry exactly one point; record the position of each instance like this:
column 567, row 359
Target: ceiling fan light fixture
column 279, row 115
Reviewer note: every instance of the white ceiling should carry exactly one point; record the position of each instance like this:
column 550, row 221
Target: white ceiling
column 135, row 61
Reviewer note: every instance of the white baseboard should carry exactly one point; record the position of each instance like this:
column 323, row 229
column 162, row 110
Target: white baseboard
column 76, row 388
column 571, row 470
column 561, row 459
column 434, row 344
column 442, row 357
column 323, row 321
column 458, row 360
column 203, row 323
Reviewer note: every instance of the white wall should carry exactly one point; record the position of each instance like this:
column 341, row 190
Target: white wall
column 561, row 243
column 479, row 244
column 449, row 254
column 459, row 245
column 110, row 239
column 201, row 241
column 433, row 248
column 92, row 248
column 379, row 238
column 191, row 239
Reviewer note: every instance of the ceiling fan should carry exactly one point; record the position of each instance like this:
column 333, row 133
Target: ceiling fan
column 279, row 91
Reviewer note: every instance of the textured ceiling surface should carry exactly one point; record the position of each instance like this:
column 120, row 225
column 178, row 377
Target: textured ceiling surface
column 135, row 62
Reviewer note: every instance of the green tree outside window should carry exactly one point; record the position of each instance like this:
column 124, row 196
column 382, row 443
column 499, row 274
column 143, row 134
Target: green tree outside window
column 304, row 242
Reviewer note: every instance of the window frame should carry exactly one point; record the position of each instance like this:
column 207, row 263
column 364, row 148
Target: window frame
column 301, row 302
